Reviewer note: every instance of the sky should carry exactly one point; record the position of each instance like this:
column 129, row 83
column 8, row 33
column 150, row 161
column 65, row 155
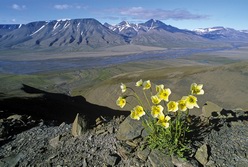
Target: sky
column 184, row 14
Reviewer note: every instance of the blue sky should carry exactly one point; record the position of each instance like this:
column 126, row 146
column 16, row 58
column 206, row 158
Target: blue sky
column 184, row 14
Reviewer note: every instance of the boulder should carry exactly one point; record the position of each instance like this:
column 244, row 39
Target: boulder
column 54, row 142
column 79, row 126
column 159, row 159
column 202, row 154
column 129, row 129
column 209, row 108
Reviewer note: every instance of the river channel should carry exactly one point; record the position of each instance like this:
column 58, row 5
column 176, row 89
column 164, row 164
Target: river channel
column 37, row 66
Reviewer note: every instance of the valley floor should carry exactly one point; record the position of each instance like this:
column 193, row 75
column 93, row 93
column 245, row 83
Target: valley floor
column 56, row 94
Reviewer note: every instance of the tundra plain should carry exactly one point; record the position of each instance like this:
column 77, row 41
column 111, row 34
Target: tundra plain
column 223, row 73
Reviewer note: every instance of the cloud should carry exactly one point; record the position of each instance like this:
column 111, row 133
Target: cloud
column 18, row 7
column 142, row 13
column 66, row 6
column 63, row 6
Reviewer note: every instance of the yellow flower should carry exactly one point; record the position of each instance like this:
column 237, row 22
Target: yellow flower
column 155, row 99
column 137, row 112
column 157, row 110
column 123, row 88
column 159, row 87
column 172, row 106
column 134, row 115
column 191, row 101
column 163, row 121
column 146, row 85
column 164, row 94
column 121, row 101
column 196, row 89
column 182, row 105
column 139, row 83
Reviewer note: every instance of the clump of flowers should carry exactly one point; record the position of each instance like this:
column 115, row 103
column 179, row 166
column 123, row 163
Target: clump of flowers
column 167, row 122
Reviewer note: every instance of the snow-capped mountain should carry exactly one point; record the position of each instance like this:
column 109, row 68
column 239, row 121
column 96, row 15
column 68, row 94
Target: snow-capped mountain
column 155, row 33
column 222, row 33
column 125, row 29
column 75, row 33
column 208, row 30
column 84, row 34
column 131, row 29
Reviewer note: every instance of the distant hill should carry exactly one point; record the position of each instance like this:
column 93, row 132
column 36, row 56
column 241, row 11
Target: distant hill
column 222, row 34
column 90, row 34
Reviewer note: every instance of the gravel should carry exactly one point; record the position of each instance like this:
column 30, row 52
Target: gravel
column 45, row 145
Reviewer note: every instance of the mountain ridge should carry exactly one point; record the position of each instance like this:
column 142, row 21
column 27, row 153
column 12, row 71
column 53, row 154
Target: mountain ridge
column 89, row 34
column 76, row 33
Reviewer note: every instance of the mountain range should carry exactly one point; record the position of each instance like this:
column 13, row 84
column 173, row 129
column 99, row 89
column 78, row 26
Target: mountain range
column 88, row 34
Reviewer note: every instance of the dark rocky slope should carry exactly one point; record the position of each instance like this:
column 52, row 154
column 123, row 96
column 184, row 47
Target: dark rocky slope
column 117, row 141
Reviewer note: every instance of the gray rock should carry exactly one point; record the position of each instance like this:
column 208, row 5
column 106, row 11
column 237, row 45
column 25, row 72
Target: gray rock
column 129, row 129
column 209, row 108
column 85, row 163
column 100, row 131
column 123, row 152
column 228, row 145
column 236, row 123
column 79, row 126
column 15, row 117
column 178, row 162
column 125, row 148
column 202, row 154
column 112, row 159
column 62, row 125
column 210, row 163
column 110, row 129
column 143, row 154
column 159, row 159
column 132, row 144
column 11, row 161
column 54, row 142
column 98, row 121
column 2, row 130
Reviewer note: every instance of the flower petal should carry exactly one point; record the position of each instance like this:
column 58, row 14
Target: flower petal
column 139, row 83
column 172, row 106
column 121, row 102
column 147, row 85
column 123, row 88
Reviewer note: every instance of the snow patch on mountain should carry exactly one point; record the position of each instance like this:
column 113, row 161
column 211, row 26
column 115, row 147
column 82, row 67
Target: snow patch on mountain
column 38, row 30
column 56, row 25
column 66, row 19
column 66, row 24
column 207, row 30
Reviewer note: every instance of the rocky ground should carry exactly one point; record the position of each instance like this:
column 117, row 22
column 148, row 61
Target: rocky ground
column 117, row 141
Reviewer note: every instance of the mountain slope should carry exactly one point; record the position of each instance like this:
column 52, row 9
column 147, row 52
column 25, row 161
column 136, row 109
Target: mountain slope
column 222, row 33
column 75, row 33
column 89, row 34
column 156, row 33
column 5, row 28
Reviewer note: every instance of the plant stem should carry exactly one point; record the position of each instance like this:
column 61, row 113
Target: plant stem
column 147, row 99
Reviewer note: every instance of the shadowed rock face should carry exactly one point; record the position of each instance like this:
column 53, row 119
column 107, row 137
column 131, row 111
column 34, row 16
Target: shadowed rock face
column 58, row 107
